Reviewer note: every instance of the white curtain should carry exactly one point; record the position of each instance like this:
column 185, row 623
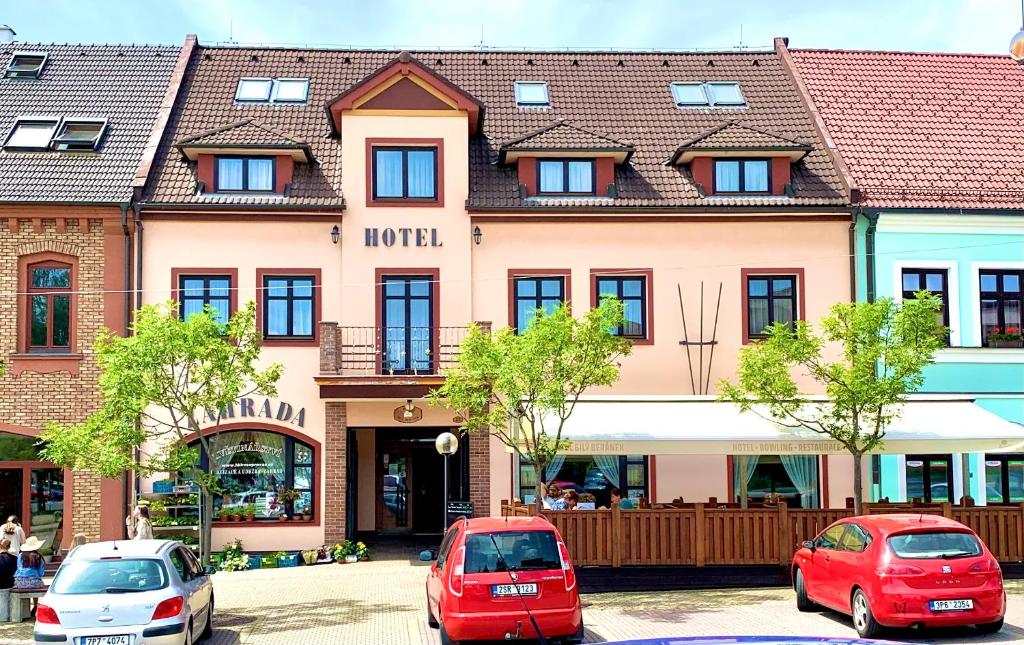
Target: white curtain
column 727, row 176
column 609, row 465
column 229, row 174
column 261, row 174
column 553, row 467
column 755, row 176
column 803, row 470
column 581, row 177
column 388, row 171
column 743, row 470
column 551, row 177
column 421, row 173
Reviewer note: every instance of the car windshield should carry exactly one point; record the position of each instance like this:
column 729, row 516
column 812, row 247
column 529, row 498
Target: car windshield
column 109, row 576
column 511, row 551
column 938, row 544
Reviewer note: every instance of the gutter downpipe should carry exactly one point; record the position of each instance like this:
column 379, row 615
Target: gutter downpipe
column 138, row 305
column 853, row 255
column 869, row 251
column 127, row 282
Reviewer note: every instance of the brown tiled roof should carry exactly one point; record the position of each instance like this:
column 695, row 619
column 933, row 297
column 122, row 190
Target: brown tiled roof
column 923, row 130
column 564, row 136
column 247, row 131
column 626, row 95
column 122, row 83
column 733, row 134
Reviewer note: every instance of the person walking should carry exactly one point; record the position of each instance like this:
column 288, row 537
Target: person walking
column 143, row 526
column 12, row 531
column 8, row 565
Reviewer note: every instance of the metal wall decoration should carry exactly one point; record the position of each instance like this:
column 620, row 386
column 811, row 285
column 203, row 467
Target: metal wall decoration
column 700, row 382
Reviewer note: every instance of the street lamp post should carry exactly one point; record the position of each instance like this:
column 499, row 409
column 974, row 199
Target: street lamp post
column 447, row 445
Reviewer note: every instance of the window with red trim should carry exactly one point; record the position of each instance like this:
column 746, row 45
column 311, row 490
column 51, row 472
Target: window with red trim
column 49, row 307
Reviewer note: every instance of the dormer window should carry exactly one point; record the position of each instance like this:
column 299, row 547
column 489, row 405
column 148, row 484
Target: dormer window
column 79, row 134
column 565, row 176
column 244, row 174
column 742, row 176
column 272, row 90
column 532, row 93
column 25, row 65
column 31, row 134
column 710, row 94
column 405, row 173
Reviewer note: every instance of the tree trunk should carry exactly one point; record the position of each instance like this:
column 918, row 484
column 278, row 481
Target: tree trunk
column 538, row 469
column 858, row 484
column 205, row 526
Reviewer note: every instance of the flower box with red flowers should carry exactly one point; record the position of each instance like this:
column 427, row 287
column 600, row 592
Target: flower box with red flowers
column 1005, row 338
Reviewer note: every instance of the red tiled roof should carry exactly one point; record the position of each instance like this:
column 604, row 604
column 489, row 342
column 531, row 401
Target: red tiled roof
column 564, row 136
column 923, row 130
column 248, row 131
column 624, row 94
column 733, row 134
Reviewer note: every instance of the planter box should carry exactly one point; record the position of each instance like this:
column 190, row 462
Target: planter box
column 290, row 560
column 268, row 562
column 1006, row 344
column 254, row 561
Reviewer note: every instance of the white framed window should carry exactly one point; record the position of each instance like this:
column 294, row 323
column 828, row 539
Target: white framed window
column 254, row 90
column 532, row 93
column 291, row 90
column 25, row 65
column 79, row 134
column 710, row 94
column 31, row 133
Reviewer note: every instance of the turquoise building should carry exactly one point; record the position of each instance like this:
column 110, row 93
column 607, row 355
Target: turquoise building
column 931, row 149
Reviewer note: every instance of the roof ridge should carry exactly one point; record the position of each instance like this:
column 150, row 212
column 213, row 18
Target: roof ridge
column 889, row 52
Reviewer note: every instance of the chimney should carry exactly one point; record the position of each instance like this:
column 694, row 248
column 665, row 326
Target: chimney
column 6, row 35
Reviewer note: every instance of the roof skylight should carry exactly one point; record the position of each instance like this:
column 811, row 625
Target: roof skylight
column 254, row 90
column 31, row 134
column 25, row 65
column 711, row 94
column 79, row 134
column 532, row 93
column 272, row 90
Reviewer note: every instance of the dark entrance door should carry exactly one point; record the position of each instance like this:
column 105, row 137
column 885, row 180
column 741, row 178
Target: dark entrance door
column 10, row 493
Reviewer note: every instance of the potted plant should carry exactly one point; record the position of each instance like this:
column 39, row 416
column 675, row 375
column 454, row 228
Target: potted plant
column 309, row 557
column 225, row 514
column 361, row 552
column 268, row 561
column 249, row 512
column 287, row 496
column 233, row 557
column 343, row 551
column 1009, row 337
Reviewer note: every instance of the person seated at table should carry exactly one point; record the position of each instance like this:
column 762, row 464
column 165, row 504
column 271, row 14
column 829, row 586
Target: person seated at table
column 8, row 565
column 625, row 503
column 570, row 500
column 31, row 566
column 553, row 496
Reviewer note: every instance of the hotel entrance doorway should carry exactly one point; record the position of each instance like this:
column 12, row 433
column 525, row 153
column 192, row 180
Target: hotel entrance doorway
column 410, row 481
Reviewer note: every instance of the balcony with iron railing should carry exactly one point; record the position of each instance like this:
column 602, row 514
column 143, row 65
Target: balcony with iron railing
column 401, row 353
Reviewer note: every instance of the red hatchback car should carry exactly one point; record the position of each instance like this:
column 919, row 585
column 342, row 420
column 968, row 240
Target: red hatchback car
column 901, row 570
column 496, row 578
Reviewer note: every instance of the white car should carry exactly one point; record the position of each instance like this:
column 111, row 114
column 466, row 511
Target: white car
column 151, row 592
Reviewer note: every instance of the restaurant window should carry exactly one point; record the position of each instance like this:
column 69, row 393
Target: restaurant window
column 405, row 173
column 49, row 303
column 742, row 176
column 245, row 174
column 770, row 299
column 934, row 281
column 532, row 294
column 631, row 291
column 1004, row 478
column 197, row 291
column 288, row 306
column 929, row 478
column 592, row 476
column 254, row 467
column 774, row 478
column 1001, row 302
column 565, row 176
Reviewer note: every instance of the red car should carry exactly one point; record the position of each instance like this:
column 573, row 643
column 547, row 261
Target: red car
column 499, row 578
column 901, row 570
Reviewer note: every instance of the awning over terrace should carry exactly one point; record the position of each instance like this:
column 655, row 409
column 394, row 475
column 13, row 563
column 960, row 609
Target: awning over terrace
column 702, row 426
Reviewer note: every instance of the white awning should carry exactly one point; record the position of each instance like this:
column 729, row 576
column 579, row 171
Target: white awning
column 701, row 425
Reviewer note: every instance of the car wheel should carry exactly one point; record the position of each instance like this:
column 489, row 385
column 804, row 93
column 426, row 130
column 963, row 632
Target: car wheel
column 863, row 620
column 578, row 637
column 430, row 617
column 990, row 628
column 444, row 638
column 188, row 634
column 208, row 629
column 803, row 603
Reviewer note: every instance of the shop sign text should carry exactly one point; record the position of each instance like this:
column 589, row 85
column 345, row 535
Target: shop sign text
column 402, row 237
column 248, row 408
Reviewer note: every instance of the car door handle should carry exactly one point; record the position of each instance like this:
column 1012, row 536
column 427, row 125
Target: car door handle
column 104, row 619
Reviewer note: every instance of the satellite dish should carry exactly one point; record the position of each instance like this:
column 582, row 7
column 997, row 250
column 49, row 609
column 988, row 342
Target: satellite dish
column 1017, row 46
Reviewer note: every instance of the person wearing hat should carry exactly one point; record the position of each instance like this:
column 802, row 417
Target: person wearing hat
column 31, row 566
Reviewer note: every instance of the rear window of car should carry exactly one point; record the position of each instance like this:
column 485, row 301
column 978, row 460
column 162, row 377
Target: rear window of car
column 511, row 551
column 934, row 545
column 109, row 576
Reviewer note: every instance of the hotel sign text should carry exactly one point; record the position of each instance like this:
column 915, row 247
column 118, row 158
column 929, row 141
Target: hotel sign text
column 402, row 237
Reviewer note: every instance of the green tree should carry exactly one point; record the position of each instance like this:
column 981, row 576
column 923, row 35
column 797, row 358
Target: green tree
column 155, row 386
column 523, row 387
column 867, row 358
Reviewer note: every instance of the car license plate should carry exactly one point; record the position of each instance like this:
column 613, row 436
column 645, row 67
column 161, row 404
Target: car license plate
column 950, row 605
column 525, row 589
column 121, row 639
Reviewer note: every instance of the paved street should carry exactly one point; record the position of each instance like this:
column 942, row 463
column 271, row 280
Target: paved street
column 382, row 602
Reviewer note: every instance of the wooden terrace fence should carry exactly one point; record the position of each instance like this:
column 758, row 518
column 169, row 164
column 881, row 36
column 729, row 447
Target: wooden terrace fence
column 701, row 534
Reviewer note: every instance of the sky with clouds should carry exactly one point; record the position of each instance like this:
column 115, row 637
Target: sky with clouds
column 983, row 26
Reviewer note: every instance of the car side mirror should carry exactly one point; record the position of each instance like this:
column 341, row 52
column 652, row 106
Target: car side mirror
column 808, row 544
column 210, row 571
